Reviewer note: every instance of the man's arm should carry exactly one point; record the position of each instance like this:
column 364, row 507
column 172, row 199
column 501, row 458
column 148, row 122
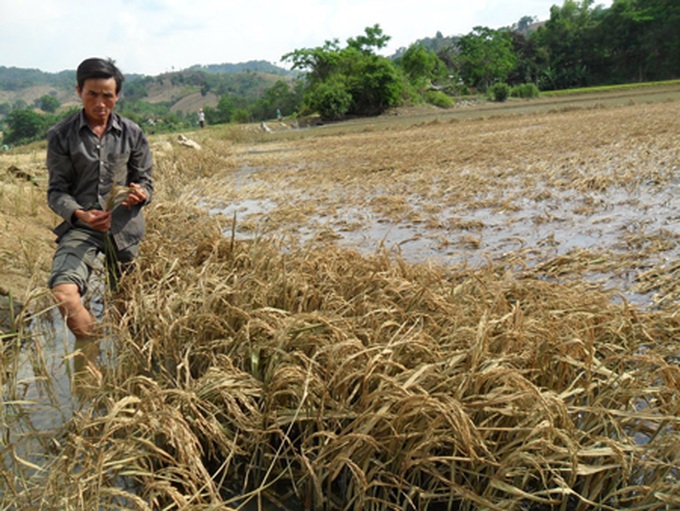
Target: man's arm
column 140, row 169
column 61, row 174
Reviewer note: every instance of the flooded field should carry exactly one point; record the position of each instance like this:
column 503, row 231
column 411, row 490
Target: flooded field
column 637, row 227
column 412, row 312
column 592, row 192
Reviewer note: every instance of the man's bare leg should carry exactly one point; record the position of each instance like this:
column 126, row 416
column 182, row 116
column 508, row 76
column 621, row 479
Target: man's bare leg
column 78, row 319
column 83, row 325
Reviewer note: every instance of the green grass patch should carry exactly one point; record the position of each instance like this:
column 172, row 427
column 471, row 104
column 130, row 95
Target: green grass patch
column 609, row 88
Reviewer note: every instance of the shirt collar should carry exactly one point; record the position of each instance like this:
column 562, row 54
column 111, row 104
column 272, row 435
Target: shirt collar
column 114, row 122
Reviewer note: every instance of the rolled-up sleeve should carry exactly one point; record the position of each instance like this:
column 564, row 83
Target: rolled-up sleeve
column 140, row 166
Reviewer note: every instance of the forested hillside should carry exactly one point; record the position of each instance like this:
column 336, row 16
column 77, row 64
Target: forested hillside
column 18, row 85
column 33, row 99
column 256, row 66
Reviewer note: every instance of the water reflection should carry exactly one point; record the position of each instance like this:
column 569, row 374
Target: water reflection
column 87, row 375
column 49, row 377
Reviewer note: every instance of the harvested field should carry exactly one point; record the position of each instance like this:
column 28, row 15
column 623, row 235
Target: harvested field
column 449, row 313
column 580, row 193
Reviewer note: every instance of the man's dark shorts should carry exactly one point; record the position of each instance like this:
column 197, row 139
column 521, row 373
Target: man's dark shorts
column 76, row 257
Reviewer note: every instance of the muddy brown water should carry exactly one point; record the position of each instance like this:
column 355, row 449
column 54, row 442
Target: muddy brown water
column 541, row 229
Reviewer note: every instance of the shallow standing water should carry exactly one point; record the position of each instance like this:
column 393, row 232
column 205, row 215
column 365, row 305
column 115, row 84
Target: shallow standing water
column 42, row 395
column 641, row 225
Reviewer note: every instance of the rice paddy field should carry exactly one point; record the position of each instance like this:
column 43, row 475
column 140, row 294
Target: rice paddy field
column 474, row 309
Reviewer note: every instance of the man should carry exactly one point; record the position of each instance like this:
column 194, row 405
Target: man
column 90, row 155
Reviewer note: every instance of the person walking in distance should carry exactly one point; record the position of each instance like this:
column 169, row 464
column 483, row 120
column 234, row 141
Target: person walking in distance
column 100, row 177
column 201, row 118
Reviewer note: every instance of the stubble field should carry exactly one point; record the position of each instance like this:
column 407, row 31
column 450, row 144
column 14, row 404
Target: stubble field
column 452, row 311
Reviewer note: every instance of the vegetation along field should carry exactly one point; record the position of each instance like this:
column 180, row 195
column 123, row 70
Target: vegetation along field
column 464, row 309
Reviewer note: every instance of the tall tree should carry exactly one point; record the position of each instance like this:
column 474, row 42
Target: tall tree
column 623, row 33
column 352, row 80
column 529, row 59
column 662, row 38
column 421, row 64
column 486, row 56
column 570, row 39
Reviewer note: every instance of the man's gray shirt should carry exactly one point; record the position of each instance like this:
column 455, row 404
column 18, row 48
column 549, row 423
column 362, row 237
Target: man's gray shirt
column 83, row 168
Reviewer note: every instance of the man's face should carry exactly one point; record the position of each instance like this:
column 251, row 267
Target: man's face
column 98, row 96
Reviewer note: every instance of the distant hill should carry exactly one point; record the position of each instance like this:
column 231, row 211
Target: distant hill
column 185, row 90
column 253, row 66
column 14, row 78
column 197, row 86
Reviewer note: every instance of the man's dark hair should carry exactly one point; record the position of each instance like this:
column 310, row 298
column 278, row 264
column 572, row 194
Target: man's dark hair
column 99, row 68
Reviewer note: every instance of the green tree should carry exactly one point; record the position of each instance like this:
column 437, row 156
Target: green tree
column 280, row 96
column 222, row 113
column 24, row 126
column 318, row 63
column 351, row 80
column 331, row 99
column 642, row 40
column 225, row 108
column 48, row 103
column 373, row 83
column 571, row 42
column 485, row 56
column 373, row 39
column 530, row 59
column 421, row 65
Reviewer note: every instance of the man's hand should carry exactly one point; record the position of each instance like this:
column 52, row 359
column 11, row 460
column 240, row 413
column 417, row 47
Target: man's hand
column 136, row 196
column 98, row 220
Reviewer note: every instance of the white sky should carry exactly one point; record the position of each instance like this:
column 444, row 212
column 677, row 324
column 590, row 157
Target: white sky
column 155, row 36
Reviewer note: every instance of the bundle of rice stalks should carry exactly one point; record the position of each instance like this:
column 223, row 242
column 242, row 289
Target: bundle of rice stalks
column 664, row 280
column 116, row 197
